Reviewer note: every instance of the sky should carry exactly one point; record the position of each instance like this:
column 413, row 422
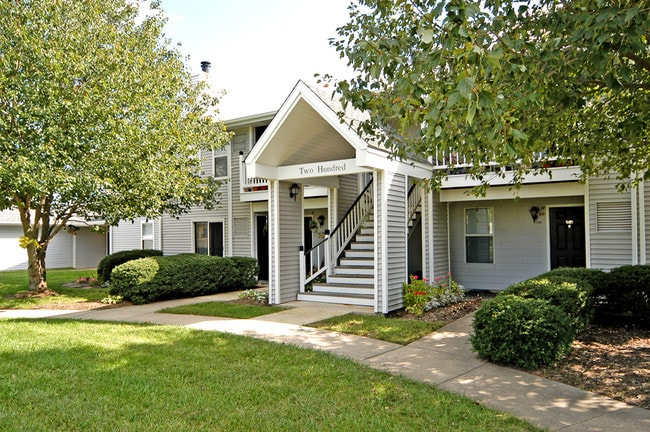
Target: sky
column 259, row 49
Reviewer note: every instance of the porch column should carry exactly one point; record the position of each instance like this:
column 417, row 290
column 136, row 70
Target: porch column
column 285, row 238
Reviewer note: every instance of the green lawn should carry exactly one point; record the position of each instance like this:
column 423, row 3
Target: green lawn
column 224, row 309
column 15, row 282
column 62, row 375
column 396, row 330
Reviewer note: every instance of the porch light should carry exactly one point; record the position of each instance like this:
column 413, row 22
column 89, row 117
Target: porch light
column 321, row 220
column 293, row 191
column 534, row 213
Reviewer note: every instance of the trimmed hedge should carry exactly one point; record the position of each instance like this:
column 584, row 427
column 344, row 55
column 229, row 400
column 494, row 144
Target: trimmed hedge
column 626, row 298
column 522, row 332
column 180, row 276
column 109, row 262
column 597, row 278
column 571, row 295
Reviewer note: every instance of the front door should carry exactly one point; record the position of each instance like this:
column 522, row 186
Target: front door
column 567, row 230
column 262, row 246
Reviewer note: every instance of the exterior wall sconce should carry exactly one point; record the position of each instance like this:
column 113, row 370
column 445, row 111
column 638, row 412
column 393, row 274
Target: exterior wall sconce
column 321, row 220
column 534, row 213
column 293, row 191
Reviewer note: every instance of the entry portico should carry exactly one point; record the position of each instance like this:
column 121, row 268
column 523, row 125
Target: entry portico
column 374, row 204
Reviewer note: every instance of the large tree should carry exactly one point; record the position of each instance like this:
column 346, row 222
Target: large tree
column 99, row 117
column 511, row 82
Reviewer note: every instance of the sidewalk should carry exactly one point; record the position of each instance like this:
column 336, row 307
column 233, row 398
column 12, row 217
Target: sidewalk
column 443, row 358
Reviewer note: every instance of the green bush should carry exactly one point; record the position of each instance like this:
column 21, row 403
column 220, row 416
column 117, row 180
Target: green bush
column 109, row 262
column 597, row 278
column 128, row 276
column 522, row 332
column 571, row 295
column 187, row 275
column 627, row 296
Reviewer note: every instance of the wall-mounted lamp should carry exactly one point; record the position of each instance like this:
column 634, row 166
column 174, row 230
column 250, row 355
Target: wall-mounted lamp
column 293, row 191
column 321, row 220
column 534, row 213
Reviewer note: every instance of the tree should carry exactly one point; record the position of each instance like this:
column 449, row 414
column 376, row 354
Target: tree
column 99, row 118
column 519, row 83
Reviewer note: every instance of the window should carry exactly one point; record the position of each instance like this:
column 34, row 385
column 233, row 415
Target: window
column 208, row 238
column 479, row 235
column 220, row 168
column 146, row 235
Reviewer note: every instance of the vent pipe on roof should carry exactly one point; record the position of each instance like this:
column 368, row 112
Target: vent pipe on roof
column 205, row 66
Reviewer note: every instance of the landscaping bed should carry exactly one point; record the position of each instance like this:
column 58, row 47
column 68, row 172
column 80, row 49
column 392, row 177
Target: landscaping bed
column 611, row 361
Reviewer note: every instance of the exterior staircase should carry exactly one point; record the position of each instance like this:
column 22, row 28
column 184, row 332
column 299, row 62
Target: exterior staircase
column 353, row 279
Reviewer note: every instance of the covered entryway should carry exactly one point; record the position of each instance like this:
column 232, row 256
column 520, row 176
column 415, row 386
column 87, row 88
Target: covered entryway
column 567, row 236
column 308, row 152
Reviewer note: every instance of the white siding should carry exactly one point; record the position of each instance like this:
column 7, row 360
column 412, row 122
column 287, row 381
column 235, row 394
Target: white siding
column 90, row 248
column 396, row 234
column 12, row 256
column 380, row 244
column 126, row 236
column 347, row 193
column 645, row 189
column 440, row 237
column 521, row 248
column 241, row 211
column 609, row 247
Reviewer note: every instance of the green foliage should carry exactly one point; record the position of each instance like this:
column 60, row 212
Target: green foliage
column 523, row 332
column 100, row 118
column 420, row 295
column 225, row 309
column 595, row 277
column 184, row 275
column 395, row 330
column 516, row 83
column 95, row 376
column 109, row 262
column 627, row 295
column 573, row 296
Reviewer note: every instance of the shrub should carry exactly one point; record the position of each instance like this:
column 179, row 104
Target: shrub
column 187, row 275
column 573, row 296
column 420, row 295
column 128, row 277
column 109, row 262
column 522, row 332
column 627, row 296
column 597, row 278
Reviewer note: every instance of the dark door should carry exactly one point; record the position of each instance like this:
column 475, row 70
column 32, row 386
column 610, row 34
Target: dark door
column 216, row 238
column 567, row 225
column 308, row 243
column 262, row 246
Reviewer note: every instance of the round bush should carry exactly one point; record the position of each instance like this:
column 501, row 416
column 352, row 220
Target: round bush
column 128, row 278
column 109, row 262
column 522, row 332
column 571, row 295
column 597, row 278
column 626, row 299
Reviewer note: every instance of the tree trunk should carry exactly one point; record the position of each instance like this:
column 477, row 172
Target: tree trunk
column 36, row 268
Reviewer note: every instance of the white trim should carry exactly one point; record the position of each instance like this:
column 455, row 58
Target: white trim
column 74, row 251
column 547, row 212
column 226, row 152
column 492, row 235
column 274, row 243
column 405, row 204
column 587, row 212
column 555, row 175
column 207, row 220
column 384, row 244
column 548, row 190
column 153, row 233
column 642, row 225
column 635, row 225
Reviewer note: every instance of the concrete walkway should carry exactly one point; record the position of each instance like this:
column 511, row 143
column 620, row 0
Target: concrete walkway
column 443, row 358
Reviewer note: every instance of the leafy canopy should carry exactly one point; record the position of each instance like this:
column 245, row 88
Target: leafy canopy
column 512, row 82
column 98, row 115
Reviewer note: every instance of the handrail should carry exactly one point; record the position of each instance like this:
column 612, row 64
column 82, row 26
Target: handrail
column 414, row 198
column 319, row 257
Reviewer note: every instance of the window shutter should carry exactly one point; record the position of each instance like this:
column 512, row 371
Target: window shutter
column 614, row 216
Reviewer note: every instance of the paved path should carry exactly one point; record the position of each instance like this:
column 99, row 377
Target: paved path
column 443, row 358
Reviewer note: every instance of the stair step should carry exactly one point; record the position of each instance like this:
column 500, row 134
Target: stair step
column 364, row 238
column 350, row 279
column 336, row 288
column 354, row 270
column 359, row 253
column 351, row 299
column 357, row 262
column 367, row 231
column 361, row 245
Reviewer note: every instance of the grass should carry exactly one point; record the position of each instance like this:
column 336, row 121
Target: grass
column 16, row 282
column 224, row 309
column 396, row 330
column 63, row 375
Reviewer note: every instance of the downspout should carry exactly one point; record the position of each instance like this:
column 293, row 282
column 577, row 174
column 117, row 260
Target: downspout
column 642, row 225
column 635, row 225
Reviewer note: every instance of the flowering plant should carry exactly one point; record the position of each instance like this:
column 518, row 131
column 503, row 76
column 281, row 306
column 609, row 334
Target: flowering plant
column 420, row 295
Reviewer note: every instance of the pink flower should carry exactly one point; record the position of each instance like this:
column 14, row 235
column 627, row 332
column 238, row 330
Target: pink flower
column 415, row 277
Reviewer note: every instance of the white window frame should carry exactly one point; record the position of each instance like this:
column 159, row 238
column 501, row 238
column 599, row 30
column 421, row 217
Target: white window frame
column 208, row 221
column 147, row 237
column 221, row 153
column 489, row 234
